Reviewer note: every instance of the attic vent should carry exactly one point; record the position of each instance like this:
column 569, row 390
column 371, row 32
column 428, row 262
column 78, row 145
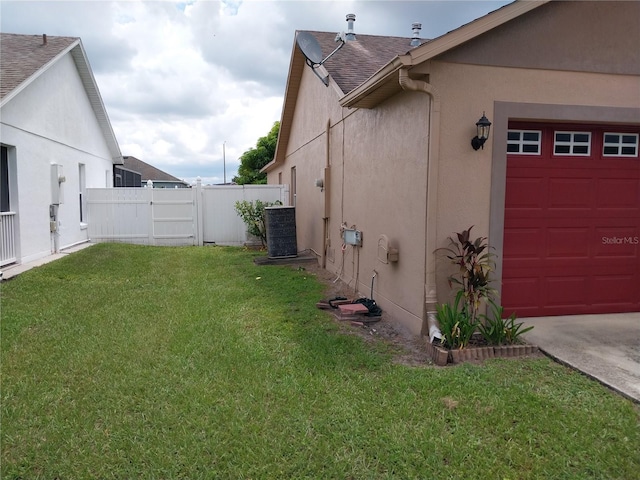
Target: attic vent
column 351, row 35
column 415, row 40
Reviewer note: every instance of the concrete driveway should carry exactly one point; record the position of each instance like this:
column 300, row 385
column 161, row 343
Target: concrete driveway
column 604, row 347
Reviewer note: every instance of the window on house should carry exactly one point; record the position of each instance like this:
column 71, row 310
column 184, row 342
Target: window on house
column 620, row 145
column 4, row 180
column 81, row 182
column 292, row 191
column 524, row 142
column 572, row 143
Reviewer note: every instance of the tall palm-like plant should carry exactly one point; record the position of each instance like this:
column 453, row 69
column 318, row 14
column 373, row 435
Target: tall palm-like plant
column 475, row 264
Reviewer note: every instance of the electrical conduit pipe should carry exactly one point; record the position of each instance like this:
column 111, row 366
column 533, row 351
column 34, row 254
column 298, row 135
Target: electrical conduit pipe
column 326, row 190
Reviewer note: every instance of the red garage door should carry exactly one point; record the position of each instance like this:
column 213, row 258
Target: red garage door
column 572, row 220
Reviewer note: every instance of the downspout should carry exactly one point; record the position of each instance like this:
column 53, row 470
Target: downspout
column 327, row 196
column 430, row 325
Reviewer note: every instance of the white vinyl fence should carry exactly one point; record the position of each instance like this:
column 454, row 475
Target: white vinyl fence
column 175, row 216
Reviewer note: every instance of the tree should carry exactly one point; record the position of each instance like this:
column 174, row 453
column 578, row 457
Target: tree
column 254, row 159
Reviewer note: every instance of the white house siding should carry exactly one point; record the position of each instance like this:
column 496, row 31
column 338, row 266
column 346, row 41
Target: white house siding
column 51, row 121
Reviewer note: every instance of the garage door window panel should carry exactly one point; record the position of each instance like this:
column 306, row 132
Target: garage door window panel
column 572, row 143
column 620, row 145
column 524, row 142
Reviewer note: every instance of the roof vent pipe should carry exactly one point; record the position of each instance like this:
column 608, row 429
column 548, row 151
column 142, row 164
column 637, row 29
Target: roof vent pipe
column 44, row 39
column 415, row 40
column 351, row 35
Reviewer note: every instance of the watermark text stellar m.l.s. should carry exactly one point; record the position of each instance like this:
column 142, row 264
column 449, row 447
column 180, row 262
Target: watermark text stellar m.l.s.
column 620, row 240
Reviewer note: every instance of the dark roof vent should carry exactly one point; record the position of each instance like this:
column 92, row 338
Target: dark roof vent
column 351, row 35
column 44, row 39
column 415, row 40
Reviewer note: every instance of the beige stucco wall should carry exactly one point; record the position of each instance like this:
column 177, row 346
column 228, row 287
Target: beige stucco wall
column 466, row 179
column 377, row 180
column 588, row 36
column 465, row 175
column 306, row 151
column 383, row 177
column 376, row 183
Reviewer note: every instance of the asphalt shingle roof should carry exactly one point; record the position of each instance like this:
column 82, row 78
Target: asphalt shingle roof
column 360, row 59
column 21, row 56
column 148, row 172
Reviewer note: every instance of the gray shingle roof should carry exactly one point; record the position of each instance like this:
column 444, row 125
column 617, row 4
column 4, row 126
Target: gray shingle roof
column 359, row 59
column 21, row 56
column 149, row 172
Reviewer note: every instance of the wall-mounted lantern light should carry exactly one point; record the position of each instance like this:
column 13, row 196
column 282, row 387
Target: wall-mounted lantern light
column 483, row 126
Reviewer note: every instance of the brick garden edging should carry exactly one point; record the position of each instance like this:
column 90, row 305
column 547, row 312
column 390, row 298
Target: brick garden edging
column 442, row 356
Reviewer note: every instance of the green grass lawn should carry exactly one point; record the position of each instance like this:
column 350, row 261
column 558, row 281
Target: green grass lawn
column 128, row 362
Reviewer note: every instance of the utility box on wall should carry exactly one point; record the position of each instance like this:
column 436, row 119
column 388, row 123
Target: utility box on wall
column 352, row 237
column 57, row 179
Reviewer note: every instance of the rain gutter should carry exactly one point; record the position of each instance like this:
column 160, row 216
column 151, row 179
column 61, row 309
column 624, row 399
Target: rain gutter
column 429, row 323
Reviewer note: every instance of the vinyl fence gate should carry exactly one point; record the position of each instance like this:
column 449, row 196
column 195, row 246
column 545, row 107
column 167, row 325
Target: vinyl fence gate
column 175, row 216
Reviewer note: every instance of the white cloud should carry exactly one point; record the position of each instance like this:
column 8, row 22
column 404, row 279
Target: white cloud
column 180, row 78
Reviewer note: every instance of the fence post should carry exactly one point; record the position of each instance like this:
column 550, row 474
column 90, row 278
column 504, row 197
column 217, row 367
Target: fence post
column 149, row 189
column 199, row 220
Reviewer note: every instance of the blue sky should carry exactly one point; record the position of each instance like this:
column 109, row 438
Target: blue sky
column 179, row 79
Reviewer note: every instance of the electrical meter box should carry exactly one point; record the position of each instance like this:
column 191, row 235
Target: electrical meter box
column 57, row 179
column 352, row 237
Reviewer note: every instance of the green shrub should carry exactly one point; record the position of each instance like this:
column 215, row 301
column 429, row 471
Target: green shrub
column 497, row 330
column 455, row 324
column 253, row 215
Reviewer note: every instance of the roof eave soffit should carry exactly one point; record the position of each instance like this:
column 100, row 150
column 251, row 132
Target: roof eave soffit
column 380, row 86
column 100, row 111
